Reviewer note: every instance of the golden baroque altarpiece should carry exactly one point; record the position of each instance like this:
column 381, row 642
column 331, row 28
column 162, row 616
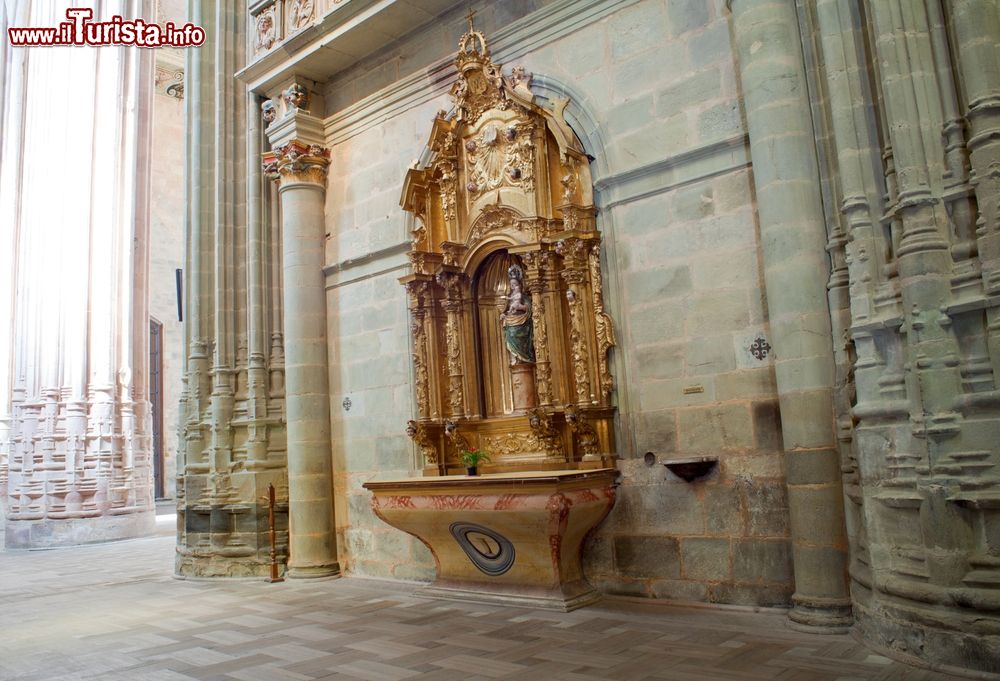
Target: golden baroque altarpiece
column 509, row 333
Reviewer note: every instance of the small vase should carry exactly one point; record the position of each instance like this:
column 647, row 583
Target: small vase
column 472, row 470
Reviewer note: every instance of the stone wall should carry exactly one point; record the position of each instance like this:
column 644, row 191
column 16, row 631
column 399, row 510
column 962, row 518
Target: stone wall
column 166, row 252
column 684, row 289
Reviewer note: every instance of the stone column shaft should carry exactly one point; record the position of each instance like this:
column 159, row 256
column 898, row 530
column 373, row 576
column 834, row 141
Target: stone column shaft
column 925, row 261
column 301, row 170
column 976, row 25
column 793, row 236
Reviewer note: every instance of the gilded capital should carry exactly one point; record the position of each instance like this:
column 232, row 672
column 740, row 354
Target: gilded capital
column 297, row 161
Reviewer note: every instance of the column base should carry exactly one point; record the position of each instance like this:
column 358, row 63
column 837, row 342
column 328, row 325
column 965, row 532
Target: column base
column 820, row 616
column 313, row 571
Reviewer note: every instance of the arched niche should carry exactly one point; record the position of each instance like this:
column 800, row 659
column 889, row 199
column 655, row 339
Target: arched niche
column 510, row 336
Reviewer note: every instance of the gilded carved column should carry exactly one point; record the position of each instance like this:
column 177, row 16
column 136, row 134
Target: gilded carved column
column 604, row 328
column 535, row 283
column 417, row 291
column 300, row 167
column 793, row 240
column 574, row 273
column 453, row 342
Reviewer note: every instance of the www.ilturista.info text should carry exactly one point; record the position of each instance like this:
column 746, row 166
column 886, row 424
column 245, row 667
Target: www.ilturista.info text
column 80, row 30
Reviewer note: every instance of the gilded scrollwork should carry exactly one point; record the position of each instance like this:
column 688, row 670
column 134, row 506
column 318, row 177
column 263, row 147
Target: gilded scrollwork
column 417, row 290
column 545, row 433
column 448, row 179
column 508, row 445
column 453, row 341
column 568, row 181
column 417, row 432
column 458, row 441
column 602, row 322
column 418, row 235
column 478, row 89
column 501, row 156
column 586, row 436
column 578, row 345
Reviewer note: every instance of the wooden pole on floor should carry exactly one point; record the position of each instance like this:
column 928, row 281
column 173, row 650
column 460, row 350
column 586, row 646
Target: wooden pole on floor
column 275, row 577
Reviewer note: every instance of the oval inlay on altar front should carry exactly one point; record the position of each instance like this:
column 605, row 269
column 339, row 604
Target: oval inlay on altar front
column 491, row 552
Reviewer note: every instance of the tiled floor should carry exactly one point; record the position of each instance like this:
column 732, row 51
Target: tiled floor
column 113, row 613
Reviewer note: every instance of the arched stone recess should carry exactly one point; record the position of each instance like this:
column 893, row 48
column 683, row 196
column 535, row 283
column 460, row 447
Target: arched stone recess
column 510, row 336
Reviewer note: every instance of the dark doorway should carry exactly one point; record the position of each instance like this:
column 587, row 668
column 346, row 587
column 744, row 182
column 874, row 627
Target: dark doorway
column 156, row 401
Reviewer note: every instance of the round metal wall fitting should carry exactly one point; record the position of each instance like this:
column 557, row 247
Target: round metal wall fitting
column 491, row 552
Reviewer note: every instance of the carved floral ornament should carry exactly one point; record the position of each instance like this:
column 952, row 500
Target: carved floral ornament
column 298, row 162
column 508, row 324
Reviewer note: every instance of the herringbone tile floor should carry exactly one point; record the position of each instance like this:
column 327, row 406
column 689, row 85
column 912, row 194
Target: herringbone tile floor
column 113, row 613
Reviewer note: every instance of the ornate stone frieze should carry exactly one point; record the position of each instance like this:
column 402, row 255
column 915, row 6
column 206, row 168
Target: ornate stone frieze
column 265, row 30
column 300, row 13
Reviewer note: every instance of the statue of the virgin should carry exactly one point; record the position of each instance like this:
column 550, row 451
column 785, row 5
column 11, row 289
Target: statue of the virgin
column 516, row 320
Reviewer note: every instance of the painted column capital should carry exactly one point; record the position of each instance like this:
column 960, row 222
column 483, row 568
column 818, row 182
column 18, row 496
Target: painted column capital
column 297, row 162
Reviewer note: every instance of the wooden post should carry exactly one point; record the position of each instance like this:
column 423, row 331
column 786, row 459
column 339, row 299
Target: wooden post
column 275, row 577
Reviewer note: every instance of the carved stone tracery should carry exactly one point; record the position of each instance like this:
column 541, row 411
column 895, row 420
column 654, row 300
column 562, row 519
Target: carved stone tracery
column 507, row 189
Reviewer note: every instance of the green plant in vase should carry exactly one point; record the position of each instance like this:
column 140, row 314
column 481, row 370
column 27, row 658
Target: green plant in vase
column 472, row 459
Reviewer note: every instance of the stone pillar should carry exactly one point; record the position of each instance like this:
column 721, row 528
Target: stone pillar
column 793, row 239
column 75, row 461
column 300, row 164
column 976, row 25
